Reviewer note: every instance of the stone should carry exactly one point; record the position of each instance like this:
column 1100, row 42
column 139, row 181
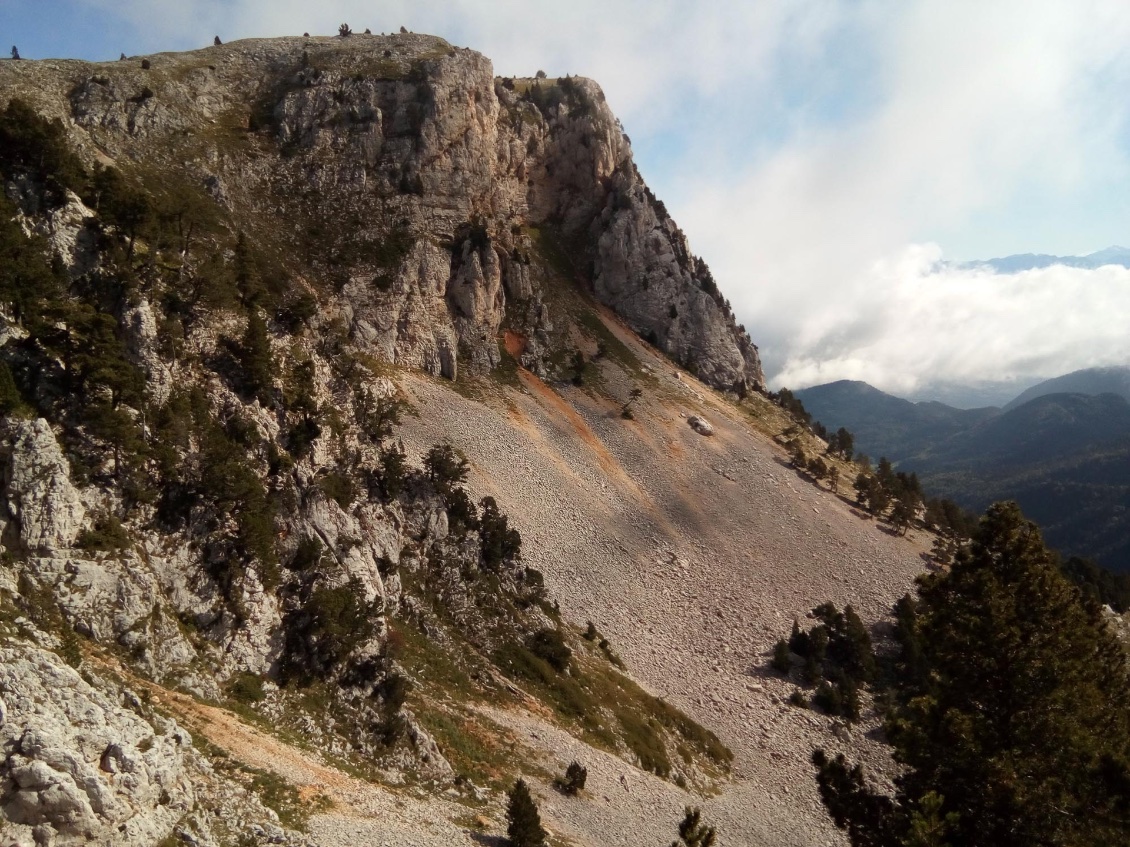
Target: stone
column 37, row 487
column 700, row 425
column 469, row 165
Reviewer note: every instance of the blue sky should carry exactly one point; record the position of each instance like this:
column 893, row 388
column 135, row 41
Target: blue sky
column 807, row 147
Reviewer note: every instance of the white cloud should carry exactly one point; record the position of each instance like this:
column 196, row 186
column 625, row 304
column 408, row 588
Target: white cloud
column 915, row 318
column 977, row 108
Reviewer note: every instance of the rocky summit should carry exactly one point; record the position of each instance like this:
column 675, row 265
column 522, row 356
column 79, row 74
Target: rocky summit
column 371, row 438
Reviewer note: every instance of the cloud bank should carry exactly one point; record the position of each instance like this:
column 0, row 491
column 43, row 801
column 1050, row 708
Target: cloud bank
column 912, row 319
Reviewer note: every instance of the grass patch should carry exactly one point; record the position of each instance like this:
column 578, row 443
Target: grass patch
column 434, row 666
column 278, row 794
column 507, row 371
column 477, row 749
column 613, row 348
column 613, row 712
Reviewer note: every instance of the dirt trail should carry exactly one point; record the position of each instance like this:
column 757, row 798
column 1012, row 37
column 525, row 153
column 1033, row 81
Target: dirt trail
column 362, row 812
column 243, row 742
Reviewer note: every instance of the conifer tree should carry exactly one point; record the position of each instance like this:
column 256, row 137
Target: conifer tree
column 10, row 400
column 524, row 828
column 1010, row 718
column 693, row 832
column 255, row 355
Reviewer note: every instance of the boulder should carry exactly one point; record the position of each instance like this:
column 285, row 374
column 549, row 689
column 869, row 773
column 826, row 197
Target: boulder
column 700, row 425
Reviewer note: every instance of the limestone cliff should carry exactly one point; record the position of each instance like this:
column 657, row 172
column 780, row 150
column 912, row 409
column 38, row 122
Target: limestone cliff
column 401, row 171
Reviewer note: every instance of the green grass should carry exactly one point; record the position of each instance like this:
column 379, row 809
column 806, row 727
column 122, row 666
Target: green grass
column 613, row 712
column 478, row 749
column 615, row 349
column 436, row 666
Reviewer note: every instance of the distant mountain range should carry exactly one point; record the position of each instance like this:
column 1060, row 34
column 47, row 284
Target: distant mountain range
column 1028, row 261
column 1061, row 449
column 1087, row 381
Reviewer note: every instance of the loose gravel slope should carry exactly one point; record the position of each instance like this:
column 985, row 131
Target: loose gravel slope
column 692, row 554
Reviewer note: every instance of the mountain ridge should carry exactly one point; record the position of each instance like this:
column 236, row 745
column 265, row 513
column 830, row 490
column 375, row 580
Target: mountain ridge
column 1090, row 381
column 1113, row 255
column 1057, row 454
column 318, row 409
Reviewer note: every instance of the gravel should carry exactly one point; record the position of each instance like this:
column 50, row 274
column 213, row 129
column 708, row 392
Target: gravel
column 692, row 555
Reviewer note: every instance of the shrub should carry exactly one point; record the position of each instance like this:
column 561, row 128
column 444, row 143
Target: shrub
column 108, row 536
column 574, row 780
column 393, row 470
column 578, row 365
column 246, row 687
column 498, row 542
column 548, row 645
column 642, row 739
column 393, row 692
column 344, row 31
column 339, row 487
column 10, row 400
column 377, row 417
column 693, row 832
column 321, row 634
column 461, row 513
column 301, row 436
column 446, row 467
column 308, row 554
column 626, row 411
column 782, row 658
column 297, row 311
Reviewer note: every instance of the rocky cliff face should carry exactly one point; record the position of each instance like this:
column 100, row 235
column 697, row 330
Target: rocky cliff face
column 404, row 172
column 228, row 281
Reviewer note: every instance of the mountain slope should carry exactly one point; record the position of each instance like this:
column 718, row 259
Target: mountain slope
column 884, row 424
column 236, row 370
column 1090, row 381
column 1061, row 456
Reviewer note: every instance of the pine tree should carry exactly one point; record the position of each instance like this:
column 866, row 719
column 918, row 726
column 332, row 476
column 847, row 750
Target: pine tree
column 10, row 399
column 524, row 828
column 1013, row 729
column 904, row 511
column 693, row 832
column 446, row 467
column 255, row 355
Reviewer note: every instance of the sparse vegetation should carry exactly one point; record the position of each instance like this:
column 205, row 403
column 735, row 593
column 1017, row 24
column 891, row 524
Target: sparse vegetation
column 573, row 782
column 838, row 659
column 693, row 832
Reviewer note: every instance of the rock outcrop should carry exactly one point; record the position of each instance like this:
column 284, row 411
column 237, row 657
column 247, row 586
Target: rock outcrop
column 45, row 508
column 79, row 768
